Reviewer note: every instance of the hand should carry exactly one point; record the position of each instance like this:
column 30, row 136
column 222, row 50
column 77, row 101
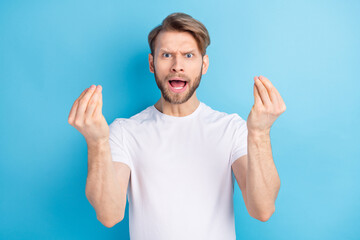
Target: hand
column 86, row 116
column 268, row 106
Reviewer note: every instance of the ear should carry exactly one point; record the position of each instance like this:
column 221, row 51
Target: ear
column 205, row 64
column 151, row 63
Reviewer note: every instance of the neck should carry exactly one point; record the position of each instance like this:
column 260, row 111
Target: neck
column 177, row 110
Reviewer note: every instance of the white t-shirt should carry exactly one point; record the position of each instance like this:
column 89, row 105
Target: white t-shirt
column 181, row 184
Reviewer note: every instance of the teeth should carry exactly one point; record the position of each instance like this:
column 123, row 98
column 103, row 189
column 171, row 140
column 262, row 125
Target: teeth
column 178, row 87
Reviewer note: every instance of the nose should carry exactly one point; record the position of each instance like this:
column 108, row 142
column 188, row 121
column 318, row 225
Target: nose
column 177, row 65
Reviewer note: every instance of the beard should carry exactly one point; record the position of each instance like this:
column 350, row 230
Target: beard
column 177, row 98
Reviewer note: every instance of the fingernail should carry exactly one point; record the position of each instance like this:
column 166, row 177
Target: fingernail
column 92, row 87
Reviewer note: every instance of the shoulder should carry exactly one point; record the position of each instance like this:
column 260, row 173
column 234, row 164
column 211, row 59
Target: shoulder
column 135, row 120
column 213, row 115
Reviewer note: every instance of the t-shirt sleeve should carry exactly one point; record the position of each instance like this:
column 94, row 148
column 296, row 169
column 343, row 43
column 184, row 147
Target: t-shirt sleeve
column 119, row 152
column 239, row 141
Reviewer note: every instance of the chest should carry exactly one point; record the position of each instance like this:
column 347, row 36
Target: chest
column 181, row 152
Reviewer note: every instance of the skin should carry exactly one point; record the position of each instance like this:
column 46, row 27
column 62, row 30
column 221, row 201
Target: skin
column 255, row 173
column 86, row 116
column 177, row 54
column 107, row 181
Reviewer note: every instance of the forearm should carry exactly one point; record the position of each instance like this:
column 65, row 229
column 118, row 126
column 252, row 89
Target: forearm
column 102, row 190
column 262, row 179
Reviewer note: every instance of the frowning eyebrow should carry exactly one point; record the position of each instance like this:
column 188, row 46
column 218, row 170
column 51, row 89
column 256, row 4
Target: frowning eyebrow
column 169, row 51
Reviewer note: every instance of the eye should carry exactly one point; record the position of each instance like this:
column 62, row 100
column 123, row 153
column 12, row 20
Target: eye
column 189, row 55
column 166, row 54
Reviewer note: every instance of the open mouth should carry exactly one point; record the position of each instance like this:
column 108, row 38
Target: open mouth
column 178, row 86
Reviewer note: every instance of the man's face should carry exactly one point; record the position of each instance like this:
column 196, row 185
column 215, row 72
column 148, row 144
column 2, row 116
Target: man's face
column 177, row 55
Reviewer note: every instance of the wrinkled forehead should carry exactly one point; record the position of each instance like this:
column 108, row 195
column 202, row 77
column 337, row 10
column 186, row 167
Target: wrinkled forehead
column 174, row 41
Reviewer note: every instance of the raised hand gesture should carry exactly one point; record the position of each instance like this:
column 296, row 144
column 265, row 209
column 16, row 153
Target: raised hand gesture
column 86, row 116
column 268, row 106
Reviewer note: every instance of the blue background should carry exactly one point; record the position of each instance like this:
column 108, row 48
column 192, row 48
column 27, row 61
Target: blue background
column 50, row 51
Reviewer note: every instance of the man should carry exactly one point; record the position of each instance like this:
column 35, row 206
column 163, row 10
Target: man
column 175, row 159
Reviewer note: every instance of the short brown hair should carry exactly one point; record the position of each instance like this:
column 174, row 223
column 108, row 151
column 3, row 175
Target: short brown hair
column 183, row 23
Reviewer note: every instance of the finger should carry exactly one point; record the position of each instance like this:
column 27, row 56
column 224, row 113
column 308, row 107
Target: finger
column 270, row 88
column 280, row 100
column 92, row 103
column 263, row 93
column 98, row 109
column 74, row 107
column 274, row 90
column 83, row 102
column 279, row 96
column 257, row 98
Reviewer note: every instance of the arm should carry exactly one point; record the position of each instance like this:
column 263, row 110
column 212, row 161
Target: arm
column 262, row 179
column 103, row 190
column 107, row 181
